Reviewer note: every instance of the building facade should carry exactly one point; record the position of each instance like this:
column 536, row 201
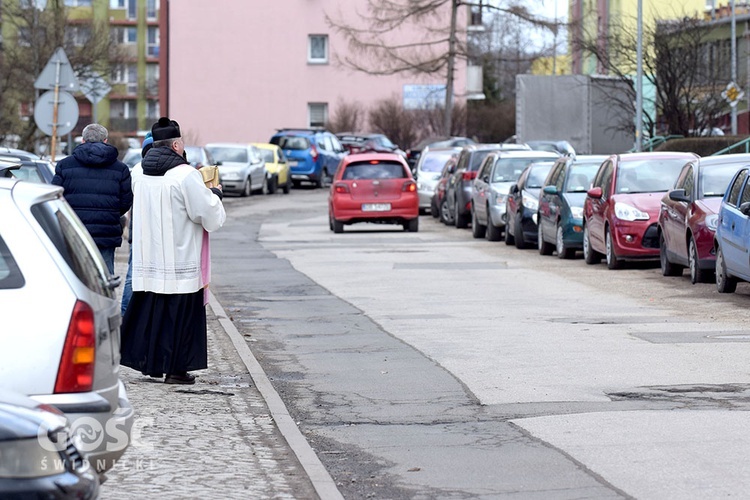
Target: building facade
column 238, row 70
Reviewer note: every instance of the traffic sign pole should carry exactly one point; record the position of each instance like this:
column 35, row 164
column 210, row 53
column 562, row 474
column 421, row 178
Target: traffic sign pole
column 55, row 106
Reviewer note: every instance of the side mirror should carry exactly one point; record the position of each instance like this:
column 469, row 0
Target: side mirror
column 595, row 192
column 745, row 208
column 679, row 195
column 550, row 189
column 486, row 179
column 514, row 189
column 217, row 163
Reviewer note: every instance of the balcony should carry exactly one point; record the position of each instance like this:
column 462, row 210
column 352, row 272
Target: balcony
column 124, row 125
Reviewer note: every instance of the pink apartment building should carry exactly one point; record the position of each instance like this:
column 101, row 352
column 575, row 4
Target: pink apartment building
column 237, row 70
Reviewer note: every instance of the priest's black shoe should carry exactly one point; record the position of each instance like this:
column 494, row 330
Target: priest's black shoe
column 180, row 378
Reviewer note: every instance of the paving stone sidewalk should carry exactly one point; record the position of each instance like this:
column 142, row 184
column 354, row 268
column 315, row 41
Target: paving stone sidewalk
column 214, row 439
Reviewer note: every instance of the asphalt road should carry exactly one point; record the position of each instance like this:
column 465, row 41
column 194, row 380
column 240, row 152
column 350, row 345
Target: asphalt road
column 433, row 365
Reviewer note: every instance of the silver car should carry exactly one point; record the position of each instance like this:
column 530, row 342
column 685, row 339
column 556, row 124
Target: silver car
column 427, row 171
column 60, row 318
column 241, row 167
column 489, row 192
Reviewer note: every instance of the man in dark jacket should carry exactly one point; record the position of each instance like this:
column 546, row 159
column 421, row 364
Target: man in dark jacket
column 98, row 188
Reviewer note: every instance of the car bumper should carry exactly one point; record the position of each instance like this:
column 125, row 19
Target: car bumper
column 528, row 223
column 104, row 420
column 463, row 197
column 350, row 211
column 81, row 484
column 636, row 240
column 573, row 233
column 497, row 215
column 426, row 190
column 704, row 242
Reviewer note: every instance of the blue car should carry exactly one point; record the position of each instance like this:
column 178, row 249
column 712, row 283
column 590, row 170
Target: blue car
column 560, row 216
column 732, row 238
column 313, row 154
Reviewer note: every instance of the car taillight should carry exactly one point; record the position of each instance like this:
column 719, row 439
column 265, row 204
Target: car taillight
column 76, row 372
column 468, row 176
column 341, row 188
column 409, row 187
column 314, row 153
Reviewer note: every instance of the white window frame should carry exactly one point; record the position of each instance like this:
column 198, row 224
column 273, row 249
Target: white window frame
column 118, row 4
column 121, row 35
column 317, row 58
column 152, row 46
column 316, row 110
column 152, row 9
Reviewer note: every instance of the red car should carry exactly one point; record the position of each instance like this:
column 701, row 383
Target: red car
column 689, row 216
column 621, row 209
column 373, row 187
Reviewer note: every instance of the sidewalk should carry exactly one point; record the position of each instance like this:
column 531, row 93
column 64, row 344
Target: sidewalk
column 215, row 439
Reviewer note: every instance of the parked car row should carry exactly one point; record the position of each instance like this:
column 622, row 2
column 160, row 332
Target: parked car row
column 678, row 208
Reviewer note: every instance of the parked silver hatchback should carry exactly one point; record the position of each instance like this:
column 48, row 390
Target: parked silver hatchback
column 59, row 318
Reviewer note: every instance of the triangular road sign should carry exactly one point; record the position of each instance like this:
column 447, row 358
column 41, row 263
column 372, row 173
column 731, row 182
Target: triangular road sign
column 49, row 76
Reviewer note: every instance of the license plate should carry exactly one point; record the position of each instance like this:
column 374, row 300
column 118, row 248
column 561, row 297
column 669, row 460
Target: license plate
column 376, row 207
column 292, row 163
column 299, row 176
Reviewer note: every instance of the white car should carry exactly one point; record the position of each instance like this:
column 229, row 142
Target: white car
column 60, row 318
column 241, row 167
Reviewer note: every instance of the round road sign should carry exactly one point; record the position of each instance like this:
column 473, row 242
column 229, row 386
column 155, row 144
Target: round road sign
column 67, row 112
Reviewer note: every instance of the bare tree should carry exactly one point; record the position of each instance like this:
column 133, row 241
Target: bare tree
column 388, row 117
column 686, row 84
column 32, row 37
column 347, row 117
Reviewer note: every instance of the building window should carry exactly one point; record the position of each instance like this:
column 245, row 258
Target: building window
column 152, row 43
column 152, row 9
column 124, row 35
column 78, row 35
column 78, row 3
column 152, row 79
column 317, row 50
column 24, row 37
column 132, row 9
column 317, row 114
column 152, row 109
column 126, row 74
column 118, row 4
column 123, row 109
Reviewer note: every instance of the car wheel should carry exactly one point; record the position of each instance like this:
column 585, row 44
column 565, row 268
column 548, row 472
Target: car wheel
column 287, row 185
column 434, row 209
column 338, row 226
column 272, row 185
column 330, row 221
column 697, row 275
column 477, row 230
column 509, row 239
column 323, row 180
column 518, row 233
column 590, row 256
column 667, row 268
column 612, row 261
column 462, row 221
column 494, row 233
column 544, row 247
column 446, row 215
column 247, row 188
column 724, row 282
column 412, row 225
column 563, row 252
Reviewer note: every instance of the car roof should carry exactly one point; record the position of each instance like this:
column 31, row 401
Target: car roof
column 724, row 159
column 227, row 144
column 265, row 145
column 526, row 153
column 662, row 155
column 18, row 153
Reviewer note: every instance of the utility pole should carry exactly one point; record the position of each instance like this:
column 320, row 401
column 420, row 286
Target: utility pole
column 734, row 67
column 448, row 111
column 639, row 82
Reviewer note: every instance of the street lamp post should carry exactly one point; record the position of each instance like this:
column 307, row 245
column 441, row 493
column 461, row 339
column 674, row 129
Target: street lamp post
column 734, row 66
column 639, row 82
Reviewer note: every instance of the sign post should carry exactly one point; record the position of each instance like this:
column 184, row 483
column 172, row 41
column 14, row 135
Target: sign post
column 56, row 74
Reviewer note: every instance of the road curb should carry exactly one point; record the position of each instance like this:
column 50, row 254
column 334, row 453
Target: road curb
column 321, row 480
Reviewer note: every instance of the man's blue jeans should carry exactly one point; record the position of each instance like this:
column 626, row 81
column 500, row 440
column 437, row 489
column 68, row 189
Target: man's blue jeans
column 127, row 291
column 109, row 258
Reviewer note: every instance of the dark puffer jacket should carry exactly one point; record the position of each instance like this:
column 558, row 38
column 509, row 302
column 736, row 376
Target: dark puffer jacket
column 98, row 188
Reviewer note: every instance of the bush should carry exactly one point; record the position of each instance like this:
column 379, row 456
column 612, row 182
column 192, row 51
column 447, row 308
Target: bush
column 703, row 146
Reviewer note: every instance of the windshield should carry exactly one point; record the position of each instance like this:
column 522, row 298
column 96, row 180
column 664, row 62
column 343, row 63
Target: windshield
column 580, row 176
column 435, row 161
column 537, row 174
column 229, row 154
column 715, row 178
column 648, row 176
column 510, row 169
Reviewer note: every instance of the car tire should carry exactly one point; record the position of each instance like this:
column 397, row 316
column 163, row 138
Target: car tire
column 494, row 233
column 477, row 230
column 563, row 252
column 667, row 268
column 612, row 261
column 273, row 183
column 446, row 215
column 338, row 226
column 434, row 209
column 462, row 221
column 518, row 233
column 544, row 247
column 509, row 239
column 287, row 185
column 412, row 225
column 247, row 188
column 724, row 282
column 590, row 256
column 697, row 275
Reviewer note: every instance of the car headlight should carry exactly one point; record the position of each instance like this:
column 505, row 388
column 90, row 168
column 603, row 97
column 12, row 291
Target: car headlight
column 576, row 212
column 712, row 222
column 530, row 202
column 231, row 176
column 27, row 458
column 500, row 200
column 628, row 212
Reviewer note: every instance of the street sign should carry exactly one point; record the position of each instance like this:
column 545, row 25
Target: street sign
column 57, row 72
column 95, row 88
column 67, row 112
column 732, row 94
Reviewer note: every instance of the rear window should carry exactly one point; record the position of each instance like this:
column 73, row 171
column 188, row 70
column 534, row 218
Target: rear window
column 380, row 170
column 28, row 173
column 435, row 161
column 477, row 158
column 10, row 275
column 294, row 142
column 229, row 154
column 267, row 155
column 67, row 233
